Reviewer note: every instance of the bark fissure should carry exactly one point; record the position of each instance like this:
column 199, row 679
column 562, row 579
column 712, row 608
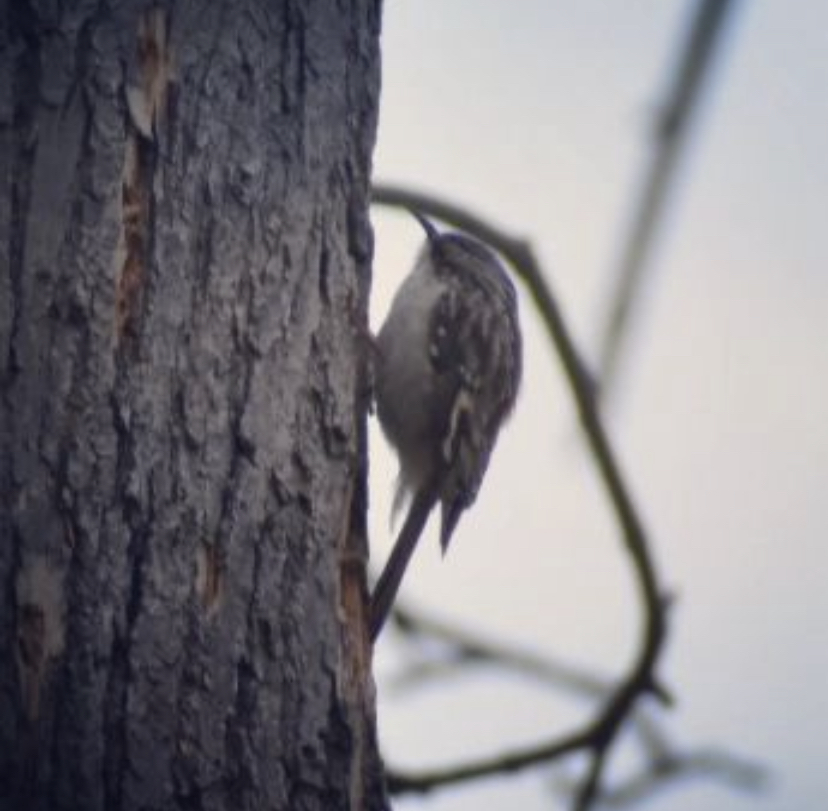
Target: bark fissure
column 25, row 81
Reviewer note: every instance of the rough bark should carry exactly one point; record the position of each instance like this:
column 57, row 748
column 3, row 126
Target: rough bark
column 184, row 268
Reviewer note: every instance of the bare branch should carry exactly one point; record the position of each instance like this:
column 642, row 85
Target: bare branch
column 598, row 736
column 661, row 773
column 468, row 649
column 703, row 763
column 511, row 762
column 662, row 762
column 669, row 135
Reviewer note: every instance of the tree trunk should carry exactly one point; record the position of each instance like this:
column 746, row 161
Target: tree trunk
column 184, row 271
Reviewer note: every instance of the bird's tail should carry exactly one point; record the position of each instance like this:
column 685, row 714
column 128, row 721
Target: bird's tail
column 388, row 584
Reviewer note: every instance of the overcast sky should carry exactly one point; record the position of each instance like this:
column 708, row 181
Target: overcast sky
column 536, row 114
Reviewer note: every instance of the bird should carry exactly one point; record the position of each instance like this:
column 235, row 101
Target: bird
column 447, row 372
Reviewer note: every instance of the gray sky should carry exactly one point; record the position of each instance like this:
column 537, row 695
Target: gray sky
column 536, row 114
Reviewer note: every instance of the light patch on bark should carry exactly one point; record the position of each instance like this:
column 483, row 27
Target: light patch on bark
column 40, row 627
column 209, row 578
column 146, row 94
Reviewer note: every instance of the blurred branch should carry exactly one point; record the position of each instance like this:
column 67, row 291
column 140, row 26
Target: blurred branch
column 709, row 764
column 597, row 737
column 663, row 762
column 468, row 649
column 516, row 760
column 669, row 137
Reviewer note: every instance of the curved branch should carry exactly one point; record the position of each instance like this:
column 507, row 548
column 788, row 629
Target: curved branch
column 511, row 762
column 599, row 735
column 663, row 763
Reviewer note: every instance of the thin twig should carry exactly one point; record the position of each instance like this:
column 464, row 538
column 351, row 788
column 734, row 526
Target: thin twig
column 710, row 764
column 468, row 648
column 598, row 736
column 514, row 761
column 669, row 135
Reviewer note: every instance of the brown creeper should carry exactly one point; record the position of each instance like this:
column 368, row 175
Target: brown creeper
column 447, row 375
